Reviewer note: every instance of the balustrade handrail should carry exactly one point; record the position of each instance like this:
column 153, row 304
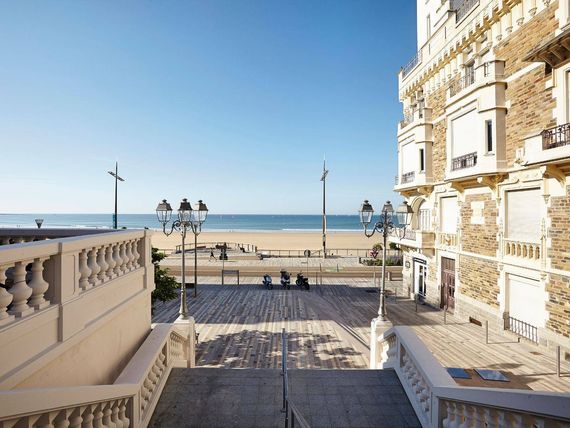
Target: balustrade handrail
column 428, row 384
column 465, row 161
column 557, row 136
column 408, row 177
column 17, row 235
column 148, row 370
column 289, row 407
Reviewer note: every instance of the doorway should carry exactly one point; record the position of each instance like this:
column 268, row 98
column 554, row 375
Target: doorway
column 420, row 275
column 447, row 284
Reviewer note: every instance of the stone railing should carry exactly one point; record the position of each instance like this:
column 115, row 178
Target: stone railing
column 130, row 401
column 447, row 239
column 20, row 235
column 439, row 402
column 56, row 293
column 523, row 250
column 32, row 275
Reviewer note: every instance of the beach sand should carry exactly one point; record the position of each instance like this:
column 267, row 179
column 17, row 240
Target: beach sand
column 272, row 240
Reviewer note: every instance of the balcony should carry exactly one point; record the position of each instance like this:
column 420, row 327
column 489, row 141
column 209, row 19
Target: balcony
column 464, row 82
column 415, row 115
column 462, row 8
column 522, row 252
column 549, row 145
column 408, row 177
column 466, row 161
column 417, row 59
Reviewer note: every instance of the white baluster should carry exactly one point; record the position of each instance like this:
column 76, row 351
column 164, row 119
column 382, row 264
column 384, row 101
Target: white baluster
column 38, row 285
column 21, row 292
column 491, row 418
column 88, row 417
column 107, row 416
column 124, row 258
column 98, row 416
column 102, row 262
column 94, row 267
column 136, row 261
column 5, row 298
column 62, row 419
column 110, row 262
column 450, row 421
column 115, row 415
column 130, row 255
column 75, row 420
column 84, row 270
column 123, row 413
column 117, row 259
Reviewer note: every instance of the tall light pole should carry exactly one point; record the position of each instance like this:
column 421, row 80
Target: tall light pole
column 187, row 217
column 385, row 225
column 117, row 178
column 324, row 180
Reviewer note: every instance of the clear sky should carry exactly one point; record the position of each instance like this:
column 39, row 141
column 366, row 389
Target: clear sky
column 234, row 102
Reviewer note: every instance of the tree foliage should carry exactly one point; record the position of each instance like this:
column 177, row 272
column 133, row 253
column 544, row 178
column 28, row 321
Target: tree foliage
column 166, row 287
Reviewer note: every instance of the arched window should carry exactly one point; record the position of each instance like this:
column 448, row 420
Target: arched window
column 424, row 217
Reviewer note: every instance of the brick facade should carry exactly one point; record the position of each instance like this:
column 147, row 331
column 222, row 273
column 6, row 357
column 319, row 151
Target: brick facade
column 559, row 214
column 436, row 101
column 479, row 238
column 479, row 279
column 530, row 104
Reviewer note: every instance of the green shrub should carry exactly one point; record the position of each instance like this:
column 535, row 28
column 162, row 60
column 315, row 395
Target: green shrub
column 166, row 287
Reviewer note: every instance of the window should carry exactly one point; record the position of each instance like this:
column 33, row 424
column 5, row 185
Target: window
column 469, row 74
column 524, row 215
column 428, row 27
column 425, row 219
column 489, row 134
column 466, row 134
column 449, row 213
column 422, row 160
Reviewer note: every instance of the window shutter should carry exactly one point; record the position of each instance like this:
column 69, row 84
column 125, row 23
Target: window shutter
column 524, row 215
column 449, row 213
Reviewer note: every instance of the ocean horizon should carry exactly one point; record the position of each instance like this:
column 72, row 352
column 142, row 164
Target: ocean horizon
column 214, row 223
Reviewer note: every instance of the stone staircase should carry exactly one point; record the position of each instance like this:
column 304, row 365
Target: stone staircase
column 210, row 397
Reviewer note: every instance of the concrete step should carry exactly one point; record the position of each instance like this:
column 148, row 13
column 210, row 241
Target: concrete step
column 209, row 397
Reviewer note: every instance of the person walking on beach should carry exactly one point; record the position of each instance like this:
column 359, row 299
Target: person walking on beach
column 212, row 256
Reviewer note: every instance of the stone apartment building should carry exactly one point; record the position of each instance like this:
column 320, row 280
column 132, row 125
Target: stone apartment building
column 484, row 158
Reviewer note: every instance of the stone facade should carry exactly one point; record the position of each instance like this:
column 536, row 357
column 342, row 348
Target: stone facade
column 479, row 280
column 531, row 104
column 534, row 97
column 479, row 234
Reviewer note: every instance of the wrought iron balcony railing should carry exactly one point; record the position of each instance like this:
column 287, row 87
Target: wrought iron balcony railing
column 411, row 64
column 556, row 137
column 467, row 80
column 463, row 7
column 465, row 161
column 410, row 115
column 408, row 177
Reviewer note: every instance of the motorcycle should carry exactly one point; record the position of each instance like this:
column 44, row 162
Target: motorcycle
column 267, row 281
column 285, row 279
column 302, row 281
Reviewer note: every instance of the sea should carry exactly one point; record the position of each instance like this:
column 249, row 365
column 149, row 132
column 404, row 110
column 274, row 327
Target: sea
column 214, row 222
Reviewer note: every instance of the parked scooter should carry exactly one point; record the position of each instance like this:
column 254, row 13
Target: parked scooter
column 267, row 281
column 285, row 279
column 302, row 281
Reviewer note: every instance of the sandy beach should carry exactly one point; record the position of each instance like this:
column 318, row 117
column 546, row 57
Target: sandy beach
column 272, row 240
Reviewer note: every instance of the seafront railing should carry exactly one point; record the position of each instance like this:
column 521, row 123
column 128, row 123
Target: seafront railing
column 439, row 402
column 20, row 235
column 129, row 401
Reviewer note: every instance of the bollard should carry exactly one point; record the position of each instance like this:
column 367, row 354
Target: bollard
column 558, row 361
column 487, row 332
column 416, row 300
column 395, row 295
column 445, row 315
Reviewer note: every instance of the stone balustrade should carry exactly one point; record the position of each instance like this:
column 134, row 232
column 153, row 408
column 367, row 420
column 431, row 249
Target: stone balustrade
column 130, row 401
column 19, row 235
column 56, row 293
column 439, row 402
column 523, row 250
column 29, row 280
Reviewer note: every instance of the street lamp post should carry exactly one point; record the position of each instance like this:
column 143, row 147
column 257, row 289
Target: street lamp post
column 385, row 225
column 187, row 217
column 197, row 218
column 117, row 179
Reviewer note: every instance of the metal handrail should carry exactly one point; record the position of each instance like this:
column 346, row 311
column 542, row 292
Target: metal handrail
column 289, row 408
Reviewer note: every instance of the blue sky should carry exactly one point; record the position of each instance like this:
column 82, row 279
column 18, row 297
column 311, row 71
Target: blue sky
column 234, row 102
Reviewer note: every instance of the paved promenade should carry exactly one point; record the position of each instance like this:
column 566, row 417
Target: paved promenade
column 329, row 328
